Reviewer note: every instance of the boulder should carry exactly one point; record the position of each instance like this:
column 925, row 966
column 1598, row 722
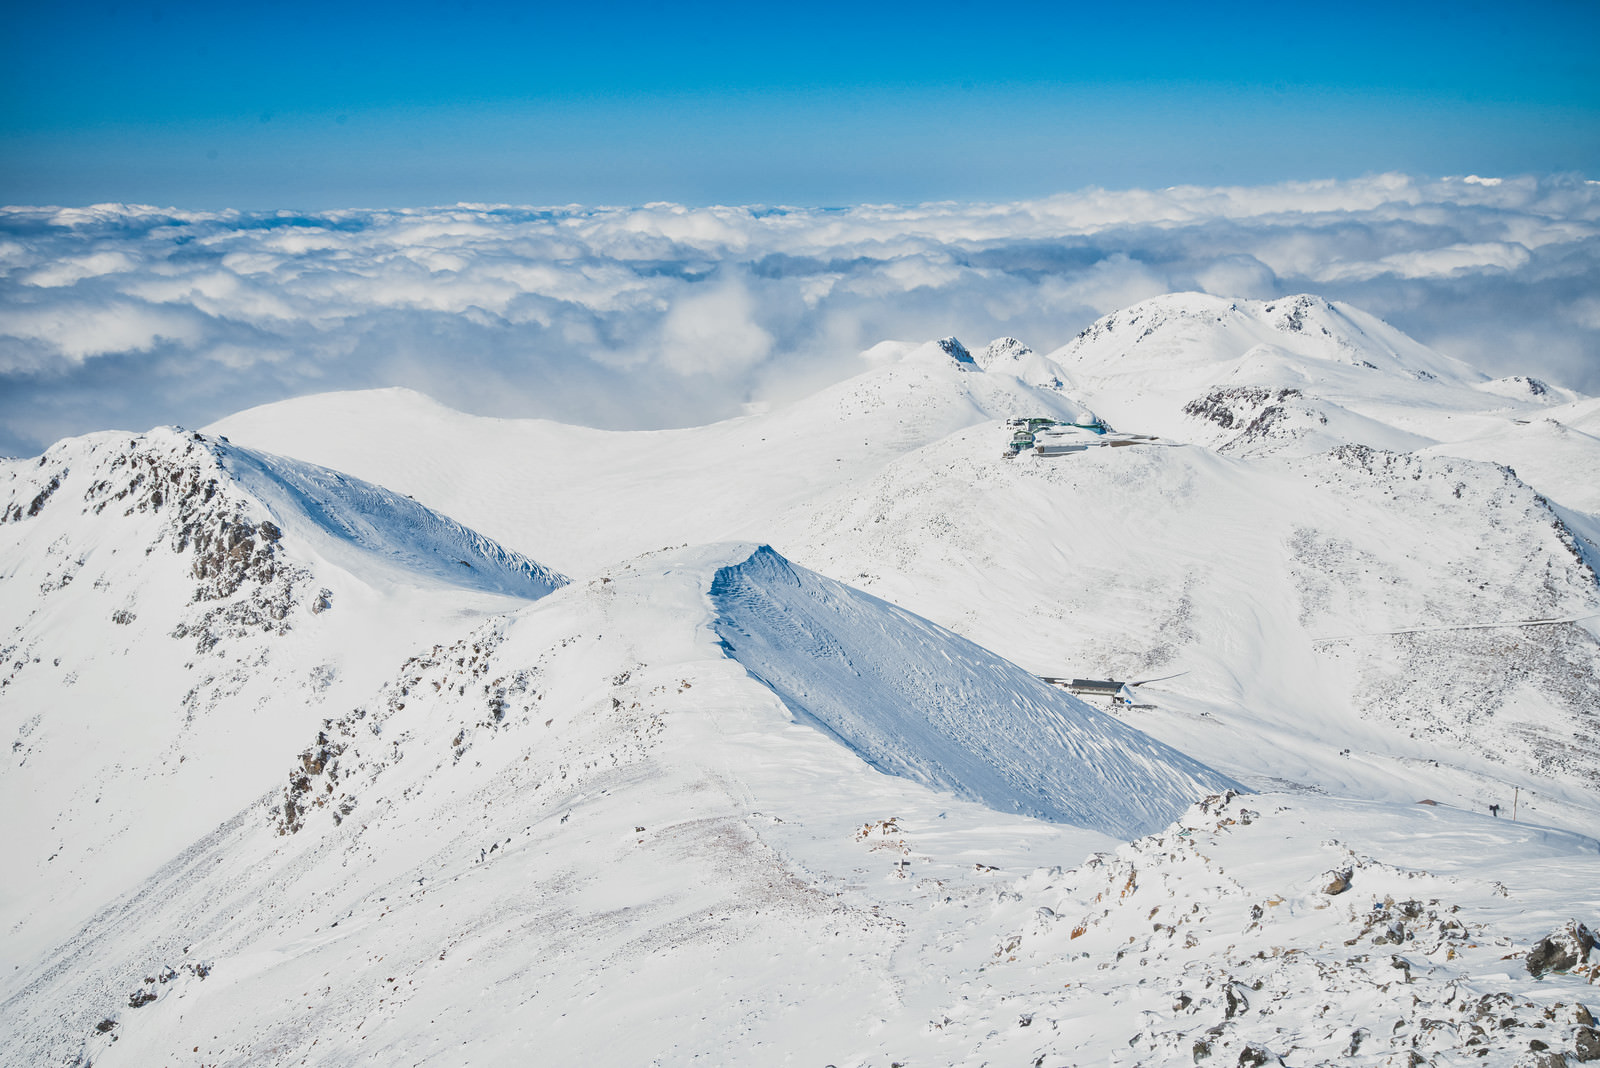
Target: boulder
column 1561, row 950
column 1337, row 881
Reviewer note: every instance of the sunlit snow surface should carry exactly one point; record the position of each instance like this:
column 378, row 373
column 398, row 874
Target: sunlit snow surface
column 350, row 516
column 915, row 700
column 1227, row 560
column 293, row 783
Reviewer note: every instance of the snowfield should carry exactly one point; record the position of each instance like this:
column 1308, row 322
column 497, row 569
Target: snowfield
column 915, row 700
column 318, row 756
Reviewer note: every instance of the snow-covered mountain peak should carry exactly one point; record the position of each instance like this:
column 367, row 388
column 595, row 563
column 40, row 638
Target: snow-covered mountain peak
column 1007, row 355
column 953, row 348
column 1295, row 375
column 1191, row 331
column 942, row 352
column 1525, row 388
column 1001, row 350
column 174, row 607
column 313, row 774
column 165, row 489
column 231, row 507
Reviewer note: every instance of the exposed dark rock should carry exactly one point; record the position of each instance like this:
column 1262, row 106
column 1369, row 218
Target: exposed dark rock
column 44, row 495
column 1357, row 1038
column 1254, row 1056
column 1561, row 950
column 957, row 352
column 1586, row 1044
column 1254, row 412
column 1543, row 1059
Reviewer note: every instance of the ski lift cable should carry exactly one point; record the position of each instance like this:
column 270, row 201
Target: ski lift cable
column 1164, row 678
column 1458, row 626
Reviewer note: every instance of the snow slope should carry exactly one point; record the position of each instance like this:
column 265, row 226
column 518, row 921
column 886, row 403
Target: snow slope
column 579, row 832
column 303, row 788
column 583, row 798
column 1330, row 511
column 176, row 616
column 915, row 700
column 583, row 498
column 1128, row 563
column 1556, row 451
column 356, row 521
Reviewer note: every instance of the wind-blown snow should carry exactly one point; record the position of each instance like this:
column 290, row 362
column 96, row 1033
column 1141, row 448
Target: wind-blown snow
column 344, row 513
column 177, row 615
column 1292, row 513
column 913, row 699
column 290, row 784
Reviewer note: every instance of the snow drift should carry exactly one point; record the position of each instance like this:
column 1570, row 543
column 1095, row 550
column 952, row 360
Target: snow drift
column 344, row 514
column 917, row 701
column 190, row 478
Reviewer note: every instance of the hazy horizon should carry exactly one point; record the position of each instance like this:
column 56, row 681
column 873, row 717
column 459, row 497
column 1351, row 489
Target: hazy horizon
column 665, row 315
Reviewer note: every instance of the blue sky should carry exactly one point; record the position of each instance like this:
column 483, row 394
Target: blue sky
column 316, row 106
column 277, row 141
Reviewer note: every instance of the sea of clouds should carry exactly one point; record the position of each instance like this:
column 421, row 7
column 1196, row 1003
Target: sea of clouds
column 129, row 316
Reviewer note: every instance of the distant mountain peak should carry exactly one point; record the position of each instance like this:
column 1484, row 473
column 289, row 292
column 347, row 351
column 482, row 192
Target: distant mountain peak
column 1001, row 350
column 1198, row 329
column 954, row 349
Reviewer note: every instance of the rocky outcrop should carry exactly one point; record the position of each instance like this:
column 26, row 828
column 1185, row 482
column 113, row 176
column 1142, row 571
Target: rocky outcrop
column 1566, row 949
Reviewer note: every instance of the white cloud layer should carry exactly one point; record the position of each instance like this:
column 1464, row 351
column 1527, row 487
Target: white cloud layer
column 659, row 315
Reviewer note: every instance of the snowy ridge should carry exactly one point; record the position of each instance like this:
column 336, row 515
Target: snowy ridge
column 1228, row 561
column 169, row 632
column 914, row 700
column 298, row 786
column 339, row 510
column 582, row 797
column 1552, row 453
column 1192, row 330
column 351, row 518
